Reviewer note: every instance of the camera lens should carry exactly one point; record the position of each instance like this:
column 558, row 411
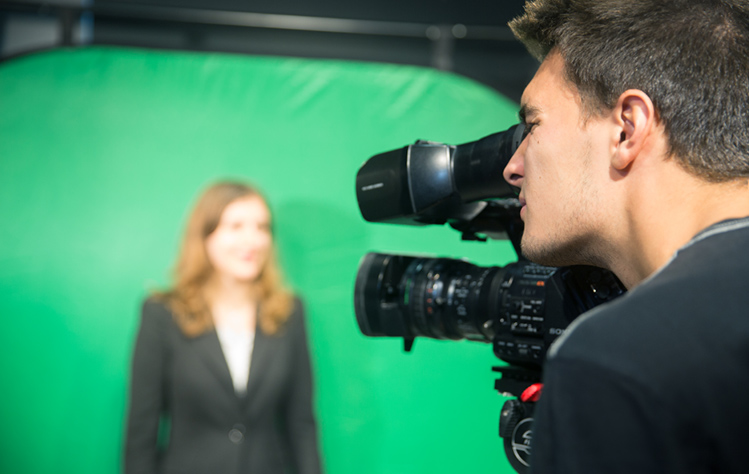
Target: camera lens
column 438, row 298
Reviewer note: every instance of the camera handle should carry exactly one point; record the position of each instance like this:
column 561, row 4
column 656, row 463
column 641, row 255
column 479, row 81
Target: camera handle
column 516, row 416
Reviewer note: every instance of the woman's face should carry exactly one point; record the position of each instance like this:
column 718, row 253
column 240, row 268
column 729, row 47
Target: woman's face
column 239, row 247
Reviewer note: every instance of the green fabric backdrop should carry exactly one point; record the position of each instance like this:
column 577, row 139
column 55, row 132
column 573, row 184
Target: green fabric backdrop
column 103, row 150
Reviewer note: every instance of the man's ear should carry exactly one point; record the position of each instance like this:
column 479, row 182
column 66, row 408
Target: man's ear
column 634, row 116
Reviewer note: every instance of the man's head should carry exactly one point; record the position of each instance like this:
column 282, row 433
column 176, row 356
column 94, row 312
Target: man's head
column 619, row 81
column 691, row 57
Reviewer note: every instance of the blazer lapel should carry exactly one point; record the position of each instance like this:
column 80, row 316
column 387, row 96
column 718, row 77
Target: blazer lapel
column 213, row 357
column 261, row 351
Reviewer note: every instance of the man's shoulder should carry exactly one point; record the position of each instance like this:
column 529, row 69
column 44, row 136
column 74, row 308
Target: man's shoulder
column 704, row 278
column 675, row 319
column 717, row 253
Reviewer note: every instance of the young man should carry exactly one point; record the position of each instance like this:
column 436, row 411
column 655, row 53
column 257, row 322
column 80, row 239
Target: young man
column 637, row 160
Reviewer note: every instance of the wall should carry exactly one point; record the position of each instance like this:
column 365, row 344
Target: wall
column 102, row 150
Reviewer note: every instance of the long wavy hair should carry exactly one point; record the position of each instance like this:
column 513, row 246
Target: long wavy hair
column 187, row 298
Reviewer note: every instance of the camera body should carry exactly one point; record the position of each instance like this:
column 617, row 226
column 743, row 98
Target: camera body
column 521, row 308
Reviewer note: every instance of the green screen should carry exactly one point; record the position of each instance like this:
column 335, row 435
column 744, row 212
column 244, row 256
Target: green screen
column 103, row 151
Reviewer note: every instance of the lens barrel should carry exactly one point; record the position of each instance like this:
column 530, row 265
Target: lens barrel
column 439, row 298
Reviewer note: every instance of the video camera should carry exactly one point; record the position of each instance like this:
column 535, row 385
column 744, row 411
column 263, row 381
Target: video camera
column 520, row 308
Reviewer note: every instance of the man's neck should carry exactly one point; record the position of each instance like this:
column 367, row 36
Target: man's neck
column 666, row 213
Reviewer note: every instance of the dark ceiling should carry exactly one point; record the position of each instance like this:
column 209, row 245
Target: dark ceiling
column 497, row 12
column 417, row 32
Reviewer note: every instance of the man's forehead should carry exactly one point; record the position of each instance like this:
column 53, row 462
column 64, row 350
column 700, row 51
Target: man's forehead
column 548, row 85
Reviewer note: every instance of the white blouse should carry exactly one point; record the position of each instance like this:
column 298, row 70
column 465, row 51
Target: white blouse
column 237, row 348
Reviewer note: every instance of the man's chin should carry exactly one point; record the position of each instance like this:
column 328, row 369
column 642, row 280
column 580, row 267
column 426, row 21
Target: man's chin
column 554, row 254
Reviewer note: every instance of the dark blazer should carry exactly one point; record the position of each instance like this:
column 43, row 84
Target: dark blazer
column 270, row 430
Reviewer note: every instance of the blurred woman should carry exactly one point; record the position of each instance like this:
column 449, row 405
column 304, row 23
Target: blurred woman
column 221, row 379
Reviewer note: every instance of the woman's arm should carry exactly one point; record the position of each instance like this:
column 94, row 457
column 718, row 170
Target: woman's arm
column 300, row 417
column 146, row 391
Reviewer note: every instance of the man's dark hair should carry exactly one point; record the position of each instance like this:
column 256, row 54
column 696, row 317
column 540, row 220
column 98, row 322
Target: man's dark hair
column 690, row 56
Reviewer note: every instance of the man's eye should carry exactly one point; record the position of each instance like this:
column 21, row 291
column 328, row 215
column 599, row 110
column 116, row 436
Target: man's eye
column 528, row 127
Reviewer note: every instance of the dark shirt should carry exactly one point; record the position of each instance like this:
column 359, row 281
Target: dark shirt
column 658, row 380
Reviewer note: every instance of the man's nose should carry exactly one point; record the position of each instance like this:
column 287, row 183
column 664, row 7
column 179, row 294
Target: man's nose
column 514, row 171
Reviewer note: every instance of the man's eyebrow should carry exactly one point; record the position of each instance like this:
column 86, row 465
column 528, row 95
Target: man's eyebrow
column 526, row 110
